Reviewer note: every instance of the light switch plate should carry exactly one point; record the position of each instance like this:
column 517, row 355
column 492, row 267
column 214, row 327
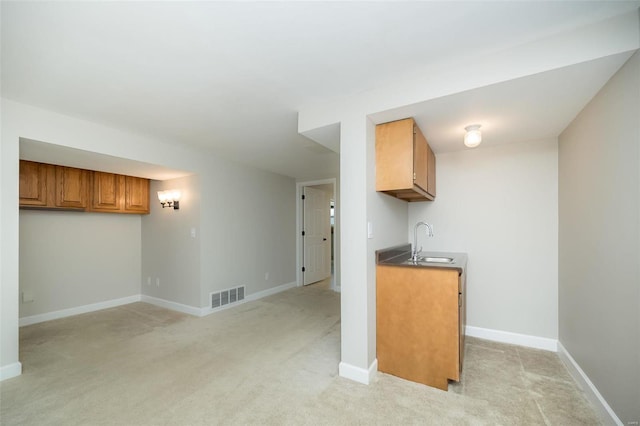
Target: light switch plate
column 369, row 230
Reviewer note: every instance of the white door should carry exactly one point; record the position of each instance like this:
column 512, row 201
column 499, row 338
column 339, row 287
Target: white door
column 316, row 235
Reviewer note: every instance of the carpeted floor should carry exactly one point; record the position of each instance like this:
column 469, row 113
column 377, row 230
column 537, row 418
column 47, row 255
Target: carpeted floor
column 269, row 362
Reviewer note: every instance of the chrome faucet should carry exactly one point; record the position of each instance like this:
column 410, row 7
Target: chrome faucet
column 416, row 251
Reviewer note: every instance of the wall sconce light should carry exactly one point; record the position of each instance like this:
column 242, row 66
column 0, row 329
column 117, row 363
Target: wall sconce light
column 170, row 198
column 473, row 137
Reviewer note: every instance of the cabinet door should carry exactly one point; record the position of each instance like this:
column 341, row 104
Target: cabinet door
column 417, row 315
column 431, row 172
column 394, row 155
column 33, row 184
column 71, row 187
column 136, row 194
column 420, row 160
column 107, row 192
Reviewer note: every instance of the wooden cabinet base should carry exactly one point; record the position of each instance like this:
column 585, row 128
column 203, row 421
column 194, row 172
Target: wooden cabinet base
column 418, row 319
column 415, row 194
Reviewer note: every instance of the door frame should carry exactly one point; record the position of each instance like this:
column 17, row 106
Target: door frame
column 335, row 285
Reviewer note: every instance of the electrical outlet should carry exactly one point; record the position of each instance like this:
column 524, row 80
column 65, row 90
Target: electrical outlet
column 266, row 276
column 148, row 280
column 27, row 296
column 157, row 282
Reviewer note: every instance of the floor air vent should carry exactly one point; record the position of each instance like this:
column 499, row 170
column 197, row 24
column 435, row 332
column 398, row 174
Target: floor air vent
column 227, row 297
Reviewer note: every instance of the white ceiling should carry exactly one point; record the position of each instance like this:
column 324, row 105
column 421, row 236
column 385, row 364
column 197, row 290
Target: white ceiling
column 531, row 108
column 231, row 76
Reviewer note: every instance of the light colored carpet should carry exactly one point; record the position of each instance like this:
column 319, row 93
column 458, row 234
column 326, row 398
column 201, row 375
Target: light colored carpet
column 268, row 362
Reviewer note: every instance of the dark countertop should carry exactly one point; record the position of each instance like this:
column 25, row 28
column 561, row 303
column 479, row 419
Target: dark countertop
column 400, row 256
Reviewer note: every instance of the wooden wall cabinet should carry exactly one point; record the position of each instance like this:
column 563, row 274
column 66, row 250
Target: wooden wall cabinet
column 47, row 186
column 107, row 192
column 71, row 187
column 114, row 193
column 52, row 187
column 136, row 198
column 420, row 319
column 33, row 184
column 405, row 163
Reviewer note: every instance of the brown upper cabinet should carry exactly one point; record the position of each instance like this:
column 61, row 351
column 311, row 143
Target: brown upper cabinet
column 48, row 186
column 405, row 163
column 107, row 192
column 33, row 184
column 71, row 187
column 136, row 195
column 119, row 194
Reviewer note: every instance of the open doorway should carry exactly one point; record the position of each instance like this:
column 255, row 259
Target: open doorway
column 317, row 233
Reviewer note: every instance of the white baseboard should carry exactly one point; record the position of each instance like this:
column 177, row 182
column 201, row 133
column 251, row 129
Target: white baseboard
column 34, row 319
column 250, row 297
column 174, row 306
column 513, row 338
column 10, row 371
column 358, row 374
column 270, row 291
column 597, row 401
column 191, row 310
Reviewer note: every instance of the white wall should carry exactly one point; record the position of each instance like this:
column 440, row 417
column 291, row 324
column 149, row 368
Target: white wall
column 71, row 259
column 169, row 253
column 247, row 216
column 500, row 205
column 9, row 225
column 355, row 303
column 248, row 228
column 388, row 218
column 599, row 281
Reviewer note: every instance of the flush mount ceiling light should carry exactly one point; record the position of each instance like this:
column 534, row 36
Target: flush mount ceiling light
column 169, row 198
column 473, row 137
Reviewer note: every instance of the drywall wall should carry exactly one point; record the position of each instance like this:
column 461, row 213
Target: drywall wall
column 171, row 244
column 71, row 259
column 387, row 218
column 9, row 310
column 500, row 205
column 337, row 235
column 247, row 216
column 248, row 229
column 355, row 357
column 599, row 245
